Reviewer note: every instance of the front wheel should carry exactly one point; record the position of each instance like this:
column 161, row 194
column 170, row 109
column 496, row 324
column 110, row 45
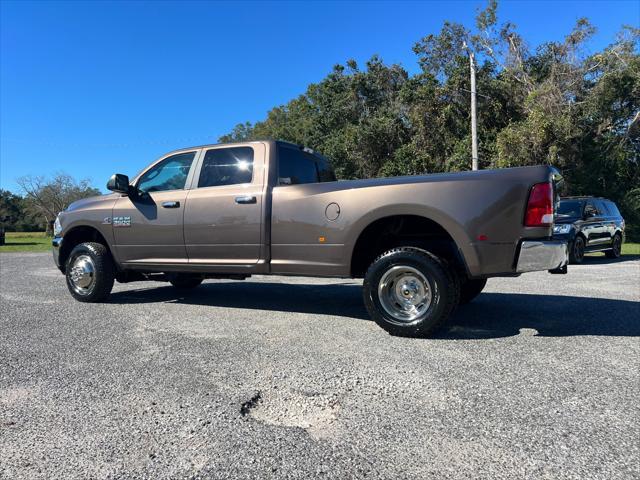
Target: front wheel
column 90, row 272
column 616, row 247
column 410, row 292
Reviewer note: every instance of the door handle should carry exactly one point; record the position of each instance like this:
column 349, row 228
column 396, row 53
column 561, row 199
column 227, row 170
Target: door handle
column 245, row 199
column 170, row 204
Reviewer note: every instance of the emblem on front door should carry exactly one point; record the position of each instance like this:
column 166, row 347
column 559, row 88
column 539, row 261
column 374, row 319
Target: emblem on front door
column 121, row 221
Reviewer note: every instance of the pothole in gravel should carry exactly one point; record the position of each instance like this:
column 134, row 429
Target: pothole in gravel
column 314, row 412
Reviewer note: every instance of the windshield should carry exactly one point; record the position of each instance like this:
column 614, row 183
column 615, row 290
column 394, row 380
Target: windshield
column 570, row 208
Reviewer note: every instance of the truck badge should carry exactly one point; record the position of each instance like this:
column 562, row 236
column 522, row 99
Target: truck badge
column 121, row 221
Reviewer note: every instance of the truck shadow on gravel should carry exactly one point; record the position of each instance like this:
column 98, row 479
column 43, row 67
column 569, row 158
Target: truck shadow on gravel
column 491, row 315
column 343, row 300
column 496, row 315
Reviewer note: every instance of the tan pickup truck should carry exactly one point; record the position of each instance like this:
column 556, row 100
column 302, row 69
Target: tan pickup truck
column 423, row 244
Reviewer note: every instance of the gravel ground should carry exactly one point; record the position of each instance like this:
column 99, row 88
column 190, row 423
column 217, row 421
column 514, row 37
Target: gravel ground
column 286, row 378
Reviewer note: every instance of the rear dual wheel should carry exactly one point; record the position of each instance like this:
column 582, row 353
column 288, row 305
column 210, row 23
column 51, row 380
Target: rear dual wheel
column 410, row 292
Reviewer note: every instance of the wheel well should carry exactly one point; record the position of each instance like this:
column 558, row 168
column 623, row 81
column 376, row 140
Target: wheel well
column 77, row 236
column 403, row 230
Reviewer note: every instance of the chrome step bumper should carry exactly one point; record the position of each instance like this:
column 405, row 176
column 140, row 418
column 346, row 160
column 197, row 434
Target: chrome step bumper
column 537, row 255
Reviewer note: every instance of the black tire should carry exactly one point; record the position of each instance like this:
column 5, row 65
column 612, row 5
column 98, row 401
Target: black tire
column 470, row 289
column 443, row 283
column 184, row 281
column 576, row 254
column 616, row 247
column 90, row 263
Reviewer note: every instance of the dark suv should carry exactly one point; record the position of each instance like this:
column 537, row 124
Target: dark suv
column 589, row 224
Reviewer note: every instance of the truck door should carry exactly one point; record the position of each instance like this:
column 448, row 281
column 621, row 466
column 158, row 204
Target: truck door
column 147, row 226
column 223, row 219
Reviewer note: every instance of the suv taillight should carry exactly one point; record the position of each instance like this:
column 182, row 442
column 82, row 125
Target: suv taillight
column 540, row 206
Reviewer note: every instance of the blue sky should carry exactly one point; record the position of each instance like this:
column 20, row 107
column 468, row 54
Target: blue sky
column 101, row 87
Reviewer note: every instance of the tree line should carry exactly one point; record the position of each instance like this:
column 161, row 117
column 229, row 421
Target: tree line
column 556, row 104
column 43, row 198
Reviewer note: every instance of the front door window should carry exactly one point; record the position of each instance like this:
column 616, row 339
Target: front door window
column 170, row 174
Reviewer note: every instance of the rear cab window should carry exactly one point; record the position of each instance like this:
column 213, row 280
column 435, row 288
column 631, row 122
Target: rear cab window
column 297, row 167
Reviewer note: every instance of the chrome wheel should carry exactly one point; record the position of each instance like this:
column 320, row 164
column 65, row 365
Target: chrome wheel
column 82, row 275
column 404, row 293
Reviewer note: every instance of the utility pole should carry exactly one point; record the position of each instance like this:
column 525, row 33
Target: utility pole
column 474, row 121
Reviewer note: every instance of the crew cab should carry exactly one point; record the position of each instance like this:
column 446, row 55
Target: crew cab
column 422, row 244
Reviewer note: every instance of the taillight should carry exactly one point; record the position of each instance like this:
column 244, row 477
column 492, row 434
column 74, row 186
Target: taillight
column 540, row 206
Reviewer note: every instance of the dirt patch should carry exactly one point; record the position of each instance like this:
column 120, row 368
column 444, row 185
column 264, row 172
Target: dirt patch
column 12, row 395
column 314, row 412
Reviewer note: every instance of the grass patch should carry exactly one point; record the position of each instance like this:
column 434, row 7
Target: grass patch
column 631, row 249
column 26, row 242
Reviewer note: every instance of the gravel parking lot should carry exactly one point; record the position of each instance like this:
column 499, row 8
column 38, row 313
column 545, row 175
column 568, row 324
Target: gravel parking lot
column 287, row 378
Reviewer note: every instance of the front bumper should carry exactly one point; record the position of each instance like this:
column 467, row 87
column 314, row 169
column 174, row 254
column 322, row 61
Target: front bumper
column 56, row 243
column 537, row 255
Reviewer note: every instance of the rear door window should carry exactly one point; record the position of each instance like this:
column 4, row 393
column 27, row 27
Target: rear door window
column 226, row 166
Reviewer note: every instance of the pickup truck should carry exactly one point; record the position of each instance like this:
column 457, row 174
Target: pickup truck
column 422, row 244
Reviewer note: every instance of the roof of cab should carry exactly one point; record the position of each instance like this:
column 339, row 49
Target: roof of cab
column 232, row 144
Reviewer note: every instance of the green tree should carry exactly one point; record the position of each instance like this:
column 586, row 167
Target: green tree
column 14, row 215
column 552, row 105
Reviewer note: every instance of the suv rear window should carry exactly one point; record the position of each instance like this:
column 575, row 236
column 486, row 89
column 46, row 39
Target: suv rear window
column 297, row 167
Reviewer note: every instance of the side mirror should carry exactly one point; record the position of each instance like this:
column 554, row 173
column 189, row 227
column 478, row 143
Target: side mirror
column 118, row 183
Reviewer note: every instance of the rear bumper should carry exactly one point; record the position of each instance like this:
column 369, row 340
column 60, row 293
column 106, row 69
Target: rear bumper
column 537, row 255
column 56, row 244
